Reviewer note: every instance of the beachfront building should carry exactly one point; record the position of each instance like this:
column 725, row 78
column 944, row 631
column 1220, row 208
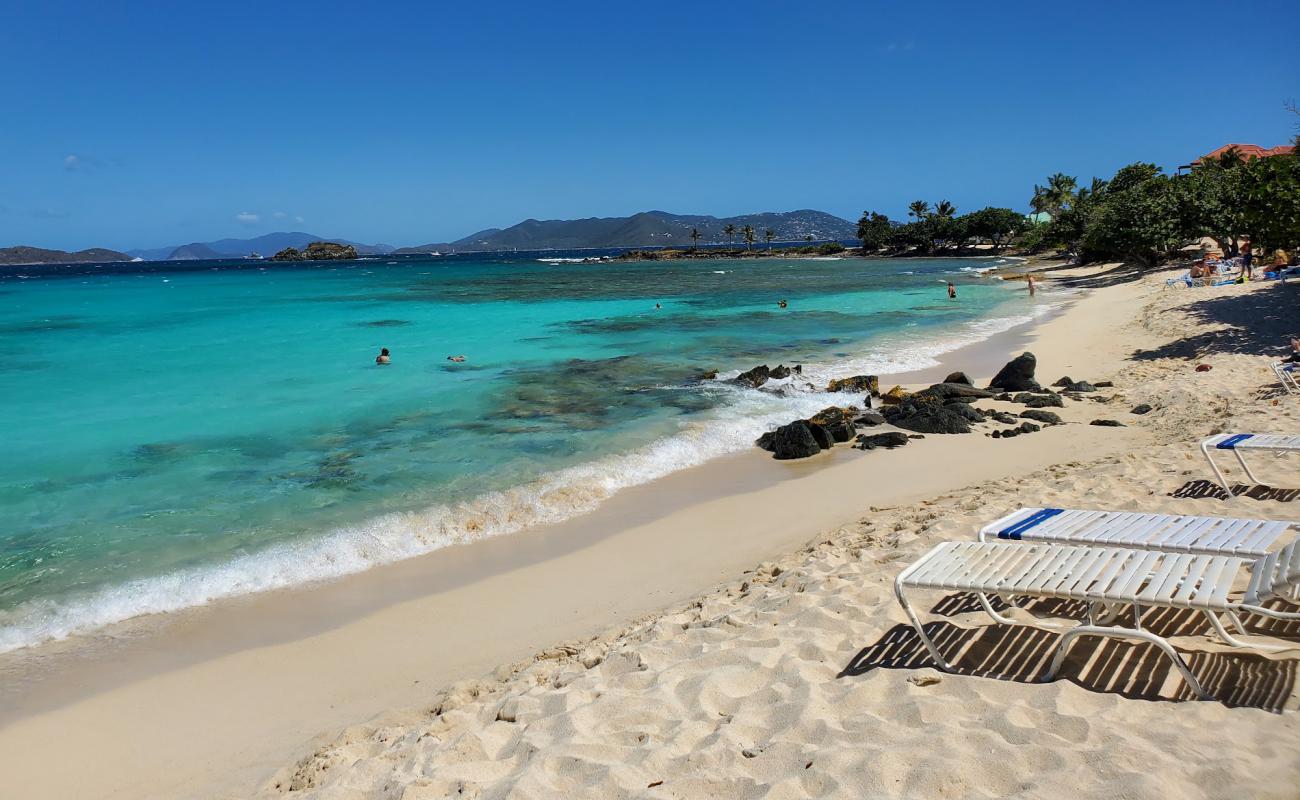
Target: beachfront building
column 1245, row 151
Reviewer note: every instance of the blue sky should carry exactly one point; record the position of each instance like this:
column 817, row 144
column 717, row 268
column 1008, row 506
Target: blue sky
column 142, row 124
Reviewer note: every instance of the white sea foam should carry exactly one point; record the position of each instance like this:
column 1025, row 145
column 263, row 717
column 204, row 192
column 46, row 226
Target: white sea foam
column 731, row 427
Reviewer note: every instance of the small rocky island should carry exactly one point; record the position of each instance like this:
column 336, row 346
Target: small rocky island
column 317, row 251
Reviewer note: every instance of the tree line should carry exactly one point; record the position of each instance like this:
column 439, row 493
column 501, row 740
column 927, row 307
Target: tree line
column 1140, row 214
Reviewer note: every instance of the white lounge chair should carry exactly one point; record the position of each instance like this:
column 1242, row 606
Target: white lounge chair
column 1105, row 577
column 1275, row 443
column 1286, row 372
column 1173, row 533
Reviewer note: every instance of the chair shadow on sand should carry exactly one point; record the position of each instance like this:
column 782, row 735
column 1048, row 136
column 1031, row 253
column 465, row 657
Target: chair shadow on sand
column 1138, row 671
column 1202, row 488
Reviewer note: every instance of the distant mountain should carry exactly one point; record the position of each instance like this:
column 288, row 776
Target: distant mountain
column 237, row 248
column 38, row 255
column 649, row 228
column 443, row 247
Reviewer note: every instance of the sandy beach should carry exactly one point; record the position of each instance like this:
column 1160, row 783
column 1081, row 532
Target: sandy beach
column 730, row 630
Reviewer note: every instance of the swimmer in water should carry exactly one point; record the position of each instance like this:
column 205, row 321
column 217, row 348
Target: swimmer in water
column 457, row 359
column 781, row 304
column 952, row 291
column 657, row 306
column 383, row 358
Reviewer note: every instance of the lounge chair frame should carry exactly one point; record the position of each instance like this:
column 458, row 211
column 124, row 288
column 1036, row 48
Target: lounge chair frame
column 1108, row 580
column 1286, row 372
column 1277, row 444
column 1173, row 533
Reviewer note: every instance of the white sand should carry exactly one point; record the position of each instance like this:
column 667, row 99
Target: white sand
column 794, row 679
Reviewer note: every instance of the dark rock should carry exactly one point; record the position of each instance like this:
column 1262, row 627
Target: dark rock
column 1104, row 384
column 1009, row 432
column 1063, row 381
column 838, row 422
column 867, row 401
column 1041, row 416
column 947, row 391
column 767, row 441
column 1004, row 397
column 916, row 435
column 1107, row 423
column 821, row 435
column 894, row 396
column 926, row 415
column 798, row 369
column 1028, row 427
column 779, row 372
column 858, row 383
column 1017, row 375
column 1141, row 408
column 969, row 412
column 1081, row 386
column 869, row 419
column 996, row 434
column 755, row 377
column 709, row 375
column 958, row 377
column 1003, row 417
column 1039, row 400
column 795, row 440
column 889, row 439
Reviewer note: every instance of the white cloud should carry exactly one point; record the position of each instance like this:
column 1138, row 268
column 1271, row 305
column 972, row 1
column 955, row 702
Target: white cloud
column 279, row 215
column 72, row 162
column 298, row 220
column 247, row 218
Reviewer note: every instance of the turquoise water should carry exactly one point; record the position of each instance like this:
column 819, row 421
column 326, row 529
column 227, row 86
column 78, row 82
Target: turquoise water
column 174, row 437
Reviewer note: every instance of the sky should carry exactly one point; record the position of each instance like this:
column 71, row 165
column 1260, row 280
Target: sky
column 148, row 124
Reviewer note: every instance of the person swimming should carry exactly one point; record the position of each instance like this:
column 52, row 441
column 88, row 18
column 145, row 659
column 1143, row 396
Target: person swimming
column 657, row 306
column 457, row 359
column 781, row 304
column 383, row 357
column 952, row 291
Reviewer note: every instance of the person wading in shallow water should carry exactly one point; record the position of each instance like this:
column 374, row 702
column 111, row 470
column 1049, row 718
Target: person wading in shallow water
column 1031, row 285
column 952, row 291
column 383, row 357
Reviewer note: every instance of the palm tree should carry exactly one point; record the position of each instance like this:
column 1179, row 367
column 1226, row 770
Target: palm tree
column 945, row 210
column 1039, row 201
column 748, row 231
column 1060, row 191
column 918, row 209
column 695, row 237
column 730, row 230
column 769, row 235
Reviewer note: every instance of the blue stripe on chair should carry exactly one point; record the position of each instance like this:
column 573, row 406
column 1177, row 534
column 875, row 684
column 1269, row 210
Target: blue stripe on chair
column 1233, row 441
column 1038, row 517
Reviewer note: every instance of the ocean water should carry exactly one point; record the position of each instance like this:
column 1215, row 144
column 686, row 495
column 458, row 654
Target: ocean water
column 176, row 434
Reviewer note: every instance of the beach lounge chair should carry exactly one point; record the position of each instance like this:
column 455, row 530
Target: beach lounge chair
column 1173, row 533
column 1109, row 580
column 1277, row 444
column 1286, row 372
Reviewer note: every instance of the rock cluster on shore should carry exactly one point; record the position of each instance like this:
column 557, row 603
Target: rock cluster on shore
column 942, row 408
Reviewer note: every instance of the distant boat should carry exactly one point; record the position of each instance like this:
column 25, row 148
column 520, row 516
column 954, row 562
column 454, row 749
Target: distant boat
column 435, row 253
column 254, row 255
column 137, row 258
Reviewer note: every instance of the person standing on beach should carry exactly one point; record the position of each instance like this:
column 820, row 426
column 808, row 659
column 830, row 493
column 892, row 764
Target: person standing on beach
column 1246, row 258
column 952, row 291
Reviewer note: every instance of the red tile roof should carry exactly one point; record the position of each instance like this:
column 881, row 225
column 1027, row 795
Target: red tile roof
column 1249, row 151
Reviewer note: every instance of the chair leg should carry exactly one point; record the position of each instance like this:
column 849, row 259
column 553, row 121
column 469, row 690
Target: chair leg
column 1222, row 480
column 1069, row 636
column 988, row 608
column 1242, row 460
column 920, row 631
